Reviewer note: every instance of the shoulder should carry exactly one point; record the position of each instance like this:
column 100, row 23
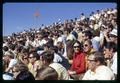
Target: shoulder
column 104, row 69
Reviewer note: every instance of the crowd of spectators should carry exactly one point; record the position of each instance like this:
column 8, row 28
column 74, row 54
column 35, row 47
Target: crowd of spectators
column 83, row 48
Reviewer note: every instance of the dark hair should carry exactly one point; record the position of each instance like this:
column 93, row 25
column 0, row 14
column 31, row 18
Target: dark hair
column 12, row 46
column 25, row 75
column 47, row 73
column 89, row 41
column 80, row 45
column 88, row 33
column 98, row 56
column 21, row 67
column 5, row 48
column 19, row 48
column 48, row 56
column 111, row 45
column 36, row 55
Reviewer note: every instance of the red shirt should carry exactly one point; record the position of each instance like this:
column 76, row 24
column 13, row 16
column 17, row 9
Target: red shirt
column 79, row 63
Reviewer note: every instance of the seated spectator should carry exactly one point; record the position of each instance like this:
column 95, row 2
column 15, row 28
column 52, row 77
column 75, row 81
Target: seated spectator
column 57, row 57
column 47, row 73
column 113, row 36
column 9, row 59
column 34, row 63
column 86, row 35
column 110, row 54
column 96, row 68
column 47, row 59
column 21, row 72
column 88, row 49
column 78, row 67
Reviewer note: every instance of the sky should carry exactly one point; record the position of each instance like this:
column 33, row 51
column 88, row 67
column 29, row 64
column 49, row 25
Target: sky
column 20, row 16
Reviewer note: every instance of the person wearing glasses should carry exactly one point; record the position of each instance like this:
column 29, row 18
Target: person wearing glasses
column 78, row 66
column 96, row 68
column 88, row 49
column 34, row 63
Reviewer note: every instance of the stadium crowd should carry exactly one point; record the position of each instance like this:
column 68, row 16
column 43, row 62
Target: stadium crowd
column 83, row 48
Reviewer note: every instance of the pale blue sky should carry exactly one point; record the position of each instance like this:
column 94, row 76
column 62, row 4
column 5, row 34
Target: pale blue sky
column 20, row 16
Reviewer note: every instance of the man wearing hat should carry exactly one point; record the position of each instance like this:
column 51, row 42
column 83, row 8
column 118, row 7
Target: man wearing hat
column 113, row 36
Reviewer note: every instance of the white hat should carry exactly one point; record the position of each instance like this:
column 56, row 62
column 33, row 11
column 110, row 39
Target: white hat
column 60, row 39
column 114, row 32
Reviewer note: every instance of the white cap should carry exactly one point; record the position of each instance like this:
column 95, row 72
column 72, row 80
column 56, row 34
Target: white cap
column 114, row 32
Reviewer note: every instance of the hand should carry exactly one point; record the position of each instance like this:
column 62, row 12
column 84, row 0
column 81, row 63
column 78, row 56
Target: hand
column 71, row 72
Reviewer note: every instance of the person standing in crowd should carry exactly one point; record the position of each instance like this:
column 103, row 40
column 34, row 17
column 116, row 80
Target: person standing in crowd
column 78, row 67
column 96, row 68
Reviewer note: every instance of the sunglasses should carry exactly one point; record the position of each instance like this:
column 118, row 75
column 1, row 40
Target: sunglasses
column 31, row 57
column 85, row 45
column 112, row 35
column 76, row 46
column 91, row 60
column 25, row 58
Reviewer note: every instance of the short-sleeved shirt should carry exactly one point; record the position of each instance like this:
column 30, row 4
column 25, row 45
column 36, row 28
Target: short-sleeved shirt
column 101, row 73
column 62, row 72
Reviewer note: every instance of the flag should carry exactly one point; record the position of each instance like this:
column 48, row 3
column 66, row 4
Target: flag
column 37, row 14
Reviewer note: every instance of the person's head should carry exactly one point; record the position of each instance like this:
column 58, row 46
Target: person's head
column 66, row 31
column 19, row 67
column 8, row 56
column 113, row 36
column 86, row 35
column 77, row 46
column 5, row 48
column 60, row 45
column 109, row 49
column 12, row 47
column 87, row 46
column 46, row 47
column 47, row 57
column 94, row 60
column 33, row 57
column 47, row 73
column 25, row 75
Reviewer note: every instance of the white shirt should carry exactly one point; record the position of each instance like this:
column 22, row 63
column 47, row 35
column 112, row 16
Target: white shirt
column 114, row 65
column 101, row 73
column 12, row 63
column 57, row 58
column 62, row 72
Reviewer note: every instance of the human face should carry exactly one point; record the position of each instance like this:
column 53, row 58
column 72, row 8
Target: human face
column 84, row 37
column 31, row 58
column 91, row 63
column 76, row 47
column 86, row 47
column 107, row 53
column 113, row 38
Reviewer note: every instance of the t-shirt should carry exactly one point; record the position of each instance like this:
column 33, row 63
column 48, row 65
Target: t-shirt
column 12, row 63
column 101, row 73
column 62, row 72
